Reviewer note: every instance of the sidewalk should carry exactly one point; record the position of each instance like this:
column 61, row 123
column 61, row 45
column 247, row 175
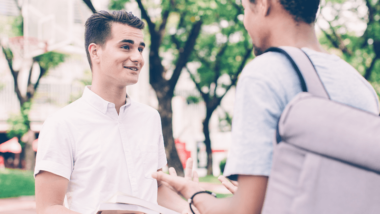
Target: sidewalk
column 27, row 205
column 21, row 205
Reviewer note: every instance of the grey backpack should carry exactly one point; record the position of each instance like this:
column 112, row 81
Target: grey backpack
column 328, row 157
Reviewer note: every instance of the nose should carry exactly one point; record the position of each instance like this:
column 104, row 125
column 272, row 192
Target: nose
column 136, row 57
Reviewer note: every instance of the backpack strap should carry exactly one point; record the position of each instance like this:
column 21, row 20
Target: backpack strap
column 310, row 81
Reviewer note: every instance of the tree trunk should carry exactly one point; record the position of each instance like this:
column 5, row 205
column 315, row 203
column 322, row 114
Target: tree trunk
column 206, row 132
column 30, row 157
column 165, row 110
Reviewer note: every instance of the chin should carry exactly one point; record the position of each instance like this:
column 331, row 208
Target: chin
column 131, row 81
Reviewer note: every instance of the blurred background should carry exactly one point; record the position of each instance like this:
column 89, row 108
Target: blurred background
column 196, row 51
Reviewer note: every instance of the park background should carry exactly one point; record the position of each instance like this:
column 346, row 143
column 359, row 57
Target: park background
column 196, row 50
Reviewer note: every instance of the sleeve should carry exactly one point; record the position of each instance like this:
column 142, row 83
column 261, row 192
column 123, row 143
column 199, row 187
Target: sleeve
column 55, row 150
column 162, row 161
column 256, row 114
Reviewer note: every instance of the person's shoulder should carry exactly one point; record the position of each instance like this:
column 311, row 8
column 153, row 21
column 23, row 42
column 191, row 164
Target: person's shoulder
column 267, row 65
column 143, row 109
column 65, row 114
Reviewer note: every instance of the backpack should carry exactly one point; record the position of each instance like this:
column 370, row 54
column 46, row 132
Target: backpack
column 326, row 156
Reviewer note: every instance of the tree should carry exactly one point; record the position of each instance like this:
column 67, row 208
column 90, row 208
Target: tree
column 360, row 49
column 20, row 124
column 220, row 54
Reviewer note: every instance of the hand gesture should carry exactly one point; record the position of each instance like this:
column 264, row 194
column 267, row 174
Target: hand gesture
column 186, row 186
column 230, row 185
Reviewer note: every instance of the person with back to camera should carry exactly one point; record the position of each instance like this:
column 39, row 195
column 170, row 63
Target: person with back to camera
column 104, row 143
column 265, row 87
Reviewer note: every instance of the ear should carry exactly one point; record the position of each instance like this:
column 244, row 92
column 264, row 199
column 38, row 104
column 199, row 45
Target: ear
column 94, row 50
column 265, row 6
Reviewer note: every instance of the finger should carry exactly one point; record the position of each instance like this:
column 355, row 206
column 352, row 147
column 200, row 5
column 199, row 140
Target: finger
column 176, row 182
column 189, row 168
column 232, row 188
column 235, row 183
column 222, row 179
column 195, row 176
column 172, row 171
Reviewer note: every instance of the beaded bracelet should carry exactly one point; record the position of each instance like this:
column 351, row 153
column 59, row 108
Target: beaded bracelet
column 190, row 200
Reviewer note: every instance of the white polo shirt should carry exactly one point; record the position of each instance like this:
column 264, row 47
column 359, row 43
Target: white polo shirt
column 102, row 153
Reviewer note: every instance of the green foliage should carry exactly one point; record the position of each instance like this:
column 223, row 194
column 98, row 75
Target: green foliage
column 357, row 48
column 193, row 99
column 225, row 28
column 15, row 183
column 50, row 60
column 225, row 122
column 117, row 4
column 19, row 124
column 222, row 165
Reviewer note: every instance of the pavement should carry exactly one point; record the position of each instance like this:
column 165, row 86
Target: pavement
column 27, row 204
column 21, row 205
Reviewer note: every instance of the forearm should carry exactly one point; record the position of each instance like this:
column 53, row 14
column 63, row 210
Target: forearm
column 207, row 204
column 170, row 199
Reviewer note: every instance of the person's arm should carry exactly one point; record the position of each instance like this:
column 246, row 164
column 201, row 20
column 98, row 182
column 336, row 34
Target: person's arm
column 50, row 193
column 249, row 197
column 168, row 198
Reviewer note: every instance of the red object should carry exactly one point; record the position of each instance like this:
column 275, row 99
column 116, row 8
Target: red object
column 1, row 161
column 35, row 145
column 183, row 153
column 219, row 150
column 11, row 145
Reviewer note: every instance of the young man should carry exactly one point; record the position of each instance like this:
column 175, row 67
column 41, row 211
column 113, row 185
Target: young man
column 265, row 87
column 104, row 143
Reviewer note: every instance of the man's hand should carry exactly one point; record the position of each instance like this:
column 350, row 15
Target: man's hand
column 232, row 186
column 186, row 186
column 191, row 176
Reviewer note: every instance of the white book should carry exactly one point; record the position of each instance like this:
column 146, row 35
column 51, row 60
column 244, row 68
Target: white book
column 126, row 204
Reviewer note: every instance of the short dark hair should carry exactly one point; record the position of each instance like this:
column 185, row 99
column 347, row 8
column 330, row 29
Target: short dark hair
column 301, row 10
column 98, row 26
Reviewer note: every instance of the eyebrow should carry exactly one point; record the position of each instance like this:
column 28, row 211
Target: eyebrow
column 131, row 42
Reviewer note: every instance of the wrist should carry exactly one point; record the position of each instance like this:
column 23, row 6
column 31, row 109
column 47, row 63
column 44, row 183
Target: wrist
column 198, row 199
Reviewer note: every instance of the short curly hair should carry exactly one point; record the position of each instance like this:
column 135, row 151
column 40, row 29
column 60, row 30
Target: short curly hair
column 301, row 10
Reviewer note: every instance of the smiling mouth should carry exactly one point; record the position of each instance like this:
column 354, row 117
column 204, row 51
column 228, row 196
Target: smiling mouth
column 132, row 68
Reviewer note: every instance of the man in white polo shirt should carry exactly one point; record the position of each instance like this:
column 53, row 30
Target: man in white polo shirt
column 104, row 143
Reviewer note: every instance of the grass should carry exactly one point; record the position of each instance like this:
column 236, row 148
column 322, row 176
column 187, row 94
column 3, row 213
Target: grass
column 214, row 180
column 209, row 179
column 15, row 183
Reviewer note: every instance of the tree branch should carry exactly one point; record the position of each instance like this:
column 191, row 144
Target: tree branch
column 238, row 71
column 14, row 75
column 90, row 5
column 18, row 6
column 145, row 16
column 165, row 16
column 368, row 71
column 179, row 26
column 204, row 95
column 42, row 73
column 185, row 54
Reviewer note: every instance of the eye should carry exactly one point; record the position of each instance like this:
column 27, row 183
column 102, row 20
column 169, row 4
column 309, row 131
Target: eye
column 141, row 50
column 126, row 47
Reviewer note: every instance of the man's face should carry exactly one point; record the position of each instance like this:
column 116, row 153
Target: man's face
column 254, row 23
column 120, row 58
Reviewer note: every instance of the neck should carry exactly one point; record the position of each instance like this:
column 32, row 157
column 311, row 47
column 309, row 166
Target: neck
column 110, row 92
column 290, row 33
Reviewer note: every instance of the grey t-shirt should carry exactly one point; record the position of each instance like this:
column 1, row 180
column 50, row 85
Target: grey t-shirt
column 266, row 86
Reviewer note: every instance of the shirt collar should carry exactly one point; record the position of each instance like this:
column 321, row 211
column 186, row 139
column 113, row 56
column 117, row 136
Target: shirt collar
column 99, row 103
